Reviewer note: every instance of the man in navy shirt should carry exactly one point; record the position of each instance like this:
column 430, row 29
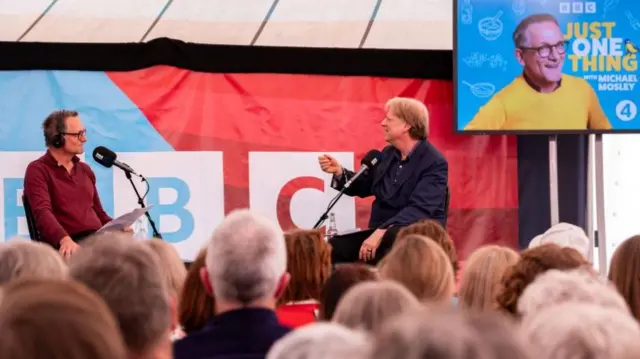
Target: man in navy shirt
column 245, row 271
column 60, row 189
column 409, row 183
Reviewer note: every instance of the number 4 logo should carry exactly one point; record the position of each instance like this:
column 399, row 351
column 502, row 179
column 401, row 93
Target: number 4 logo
column 626, row 110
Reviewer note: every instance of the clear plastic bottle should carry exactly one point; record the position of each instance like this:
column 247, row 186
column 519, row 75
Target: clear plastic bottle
column 332, row 228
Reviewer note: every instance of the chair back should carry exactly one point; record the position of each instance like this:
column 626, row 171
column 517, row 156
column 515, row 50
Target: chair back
column 31, row 223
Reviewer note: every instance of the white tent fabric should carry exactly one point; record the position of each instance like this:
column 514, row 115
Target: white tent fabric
column 399, row 24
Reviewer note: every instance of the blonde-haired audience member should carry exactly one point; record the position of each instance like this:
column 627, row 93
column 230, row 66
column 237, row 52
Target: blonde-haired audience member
column 533, row 262
column 320, row 341
column 129, row 278
column 195, row 307
column 422, row 266
column 565, row 235
column 576, row 286
column 430, row 332
column 624, row 272
column 581, row 330
column 56, row 319
column 481, row 277
column 309, row 265
column 368, row 305
column 340, row 281
column 174, row 273
column 21, row 258
column 434, row 231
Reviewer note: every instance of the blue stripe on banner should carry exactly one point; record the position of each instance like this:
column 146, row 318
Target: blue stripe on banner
column 111, row 118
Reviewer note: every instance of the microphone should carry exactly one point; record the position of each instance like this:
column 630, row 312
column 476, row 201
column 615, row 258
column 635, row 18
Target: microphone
column 108, row 158
column 369, row 161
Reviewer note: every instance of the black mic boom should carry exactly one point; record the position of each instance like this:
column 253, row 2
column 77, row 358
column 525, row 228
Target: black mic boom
column 108, row 158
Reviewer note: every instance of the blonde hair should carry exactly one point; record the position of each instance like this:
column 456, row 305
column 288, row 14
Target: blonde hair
column 422, row 266
column 481, row 276
column 20, row 258
column 413, row 112
column 46, row 318
column 368, row 305
column 173, row 268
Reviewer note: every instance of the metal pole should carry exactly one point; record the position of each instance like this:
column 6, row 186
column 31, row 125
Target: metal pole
column 600, row 211
column 553, row 179
column 590, row 183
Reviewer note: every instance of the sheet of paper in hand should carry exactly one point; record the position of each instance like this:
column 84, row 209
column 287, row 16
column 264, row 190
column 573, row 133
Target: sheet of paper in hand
column 124, row 221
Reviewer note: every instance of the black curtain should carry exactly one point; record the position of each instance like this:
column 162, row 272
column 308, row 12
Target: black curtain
column 534, row 215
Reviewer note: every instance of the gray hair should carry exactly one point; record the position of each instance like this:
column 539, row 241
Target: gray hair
column 320, row 341
column 128, row 276
column 21, row 258
column 576, row 286
column 246, row 257
column 580, row 330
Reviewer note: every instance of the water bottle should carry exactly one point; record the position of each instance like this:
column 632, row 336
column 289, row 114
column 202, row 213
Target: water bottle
column 140, row 228
column 332, row 229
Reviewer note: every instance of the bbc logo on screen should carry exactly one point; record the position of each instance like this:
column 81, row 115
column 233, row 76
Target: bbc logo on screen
column 578, row 7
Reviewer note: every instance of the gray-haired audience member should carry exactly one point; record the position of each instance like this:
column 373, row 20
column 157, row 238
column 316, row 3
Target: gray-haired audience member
column 368, row 305
column 501, row 335
column 576, row 286
column 21, row 258
column 245, row 270
column 432, row 332
column 581, row 330
column 320, row 340
column 128, row 277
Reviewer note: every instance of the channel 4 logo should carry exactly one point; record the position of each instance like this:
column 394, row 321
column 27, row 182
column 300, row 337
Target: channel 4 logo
column 578, row 7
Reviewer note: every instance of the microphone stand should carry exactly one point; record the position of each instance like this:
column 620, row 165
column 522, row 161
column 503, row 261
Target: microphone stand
column 329, row 207
column 141, row 203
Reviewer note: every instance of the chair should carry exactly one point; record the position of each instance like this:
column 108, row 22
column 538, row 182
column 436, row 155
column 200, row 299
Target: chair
column 31, row 223
column 447, row 201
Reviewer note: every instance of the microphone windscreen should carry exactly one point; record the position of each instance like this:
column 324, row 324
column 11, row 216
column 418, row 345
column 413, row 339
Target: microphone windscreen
column 104, row 156
column 371, row 158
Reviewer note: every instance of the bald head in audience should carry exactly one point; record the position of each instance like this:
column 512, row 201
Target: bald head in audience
column 21, row 258
column 129, row 278
column 56, row 319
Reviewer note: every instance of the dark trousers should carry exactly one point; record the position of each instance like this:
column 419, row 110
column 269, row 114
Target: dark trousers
column 346, row 248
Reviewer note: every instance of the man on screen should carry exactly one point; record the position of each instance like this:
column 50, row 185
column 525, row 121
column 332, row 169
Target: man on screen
column 60, row 189
column 542, row 97
column 409, row 183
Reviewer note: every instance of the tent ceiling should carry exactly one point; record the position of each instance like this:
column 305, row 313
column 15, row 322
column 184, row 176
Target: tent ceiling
column 400, row 24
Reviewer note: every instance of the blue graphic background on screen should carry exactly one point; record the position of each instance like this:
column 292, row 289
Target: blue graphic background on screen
column 489, row 57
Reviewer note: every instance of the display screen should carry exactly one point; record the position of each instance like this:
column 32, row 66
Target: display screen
column 547, row 66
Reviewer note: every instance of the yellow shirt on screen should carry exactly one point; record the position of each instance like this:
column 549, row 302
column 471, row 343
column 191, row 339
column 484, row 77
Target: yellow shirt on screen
column 572, row 106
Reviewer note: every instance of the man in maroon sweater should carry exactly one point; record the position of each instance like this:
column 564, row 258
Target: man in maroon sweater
column 60, row 189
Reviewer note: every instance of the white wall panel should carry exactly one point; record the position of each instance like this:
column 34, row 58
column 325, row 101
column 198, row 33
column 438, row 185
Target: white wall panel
column 318, row 23
column 97, row 21
column 17, row 15
column 410, row 24
column 212, row 21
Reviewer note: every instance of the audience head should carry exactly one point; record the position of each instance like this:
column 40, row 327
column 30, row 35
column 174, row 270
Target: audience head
column 434, row 231
column 129, row 278
column 320, row 341
column 422, row 266
column 368, row 305
column 581, row 330
column 533, row 262
column 172, row 265
column 576, row 286
column 308, row 264
column 501, row 334
column 430, row 332
column 195, row 307
column 56, row 319
column 21, row 258
column 342, row 279
column 246, row 262
column 624, row 272
column 565, row 235
column 481, row 277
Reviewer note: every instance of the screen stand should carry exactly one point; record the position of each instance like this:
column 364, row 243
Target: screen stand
column 599, row 208
column 590, row 194
column 553, row 179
